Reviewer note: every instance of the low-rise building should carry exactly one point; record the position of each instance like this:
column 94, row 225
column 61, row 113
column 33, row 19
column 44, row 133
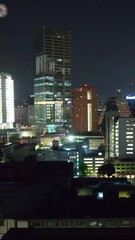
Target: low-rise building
column 125, row 168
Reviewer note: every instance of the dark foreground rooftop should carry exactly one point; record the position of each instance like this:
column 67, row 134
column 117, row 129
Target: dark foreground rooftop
column 43, row 201
column 69, row 234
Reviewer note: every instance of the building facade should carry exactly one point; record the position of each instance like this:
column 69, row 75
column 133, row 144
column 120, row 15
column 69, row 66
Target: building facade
column 113, row 105
column 21, row 114
column 24, row 111
column 52, row 83
column 120, row 134
column 63, row 154
column 93, row 163
column 84, row 109
column 116, row 109
column 126, row 137
column 6, row 101
column 131, row 103
column 125, row 169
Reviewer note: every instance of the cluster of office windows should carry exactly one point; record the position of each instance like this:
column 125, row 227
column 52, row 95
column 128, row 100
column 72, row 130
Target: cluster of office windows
column 43, row 84
column 127, row 169
column 44, row 78
column 116, row 138
column 130, row 124
column 94, row 163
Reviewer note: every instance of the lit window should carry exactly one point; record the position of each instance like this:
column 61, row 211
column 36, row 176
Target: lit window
column 100, row 195
column 59, row 60
column 89, row 95
column 123, row 194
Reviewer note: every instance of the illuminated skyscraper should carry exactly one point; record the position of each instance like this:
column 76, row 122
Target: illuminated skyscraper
column 52, row 83
column 84, row 109
column 6, row 100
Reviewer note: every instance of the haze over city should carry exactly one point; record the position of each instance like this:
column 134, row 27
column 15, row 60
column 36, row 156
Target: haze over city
column 103, row 42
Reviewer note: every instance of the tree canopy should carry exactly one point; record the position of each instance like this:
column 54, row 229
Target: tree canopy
column 83, row 169
column 106, row 169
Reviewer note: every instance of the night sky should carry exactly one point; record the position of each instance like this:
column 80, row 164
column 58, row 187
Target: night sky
column 103, row 41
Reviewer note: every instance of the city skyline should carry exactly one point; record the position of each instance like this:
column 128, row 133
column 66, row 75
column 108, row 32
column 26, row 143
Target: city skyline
column 103, row 42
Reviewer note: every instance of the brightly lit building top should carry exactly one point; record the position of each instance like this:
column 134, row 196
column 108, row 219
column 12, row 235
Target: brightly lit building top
column 6, row 101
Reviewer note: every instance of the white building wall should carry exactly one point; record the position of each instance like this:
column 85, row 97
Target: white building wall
column 6, row 101
column 9, row 99
column 5, row 225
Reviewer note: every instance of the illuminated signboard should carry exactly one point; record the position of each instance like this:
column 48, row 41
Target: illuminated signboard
column 130, row 97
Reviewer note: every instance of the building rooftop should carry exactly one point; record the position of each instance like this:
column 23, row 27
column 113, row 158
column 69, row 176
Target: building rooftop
column 66, row 234
column 54, row 201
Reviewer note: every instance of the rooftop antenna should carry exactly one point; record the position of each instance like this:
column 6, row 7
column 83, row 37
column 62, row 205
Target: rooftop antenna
column 118, row 93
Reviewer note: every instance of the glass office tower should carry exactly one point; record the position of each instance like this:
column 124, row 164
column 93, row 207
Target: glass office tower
column 52, row 83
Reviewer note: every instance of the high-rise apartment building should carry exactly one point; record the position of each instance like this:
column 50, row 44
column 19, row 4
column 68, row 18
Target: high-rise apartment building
column 52, row 83
column 116, row 108
column 6, row 100
column 120, row 135
column 84, row 109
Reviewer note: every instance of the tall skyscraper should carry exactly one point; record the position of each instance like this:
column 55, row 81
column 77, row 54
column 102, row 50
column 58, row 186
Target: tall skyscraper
column 6, row 100
column 52, row 83
column 84, row 109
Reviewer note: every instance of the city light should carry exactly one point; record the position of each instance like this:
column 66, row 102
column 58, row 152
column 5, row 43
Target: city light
column 130, row 97
column 70, row 138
